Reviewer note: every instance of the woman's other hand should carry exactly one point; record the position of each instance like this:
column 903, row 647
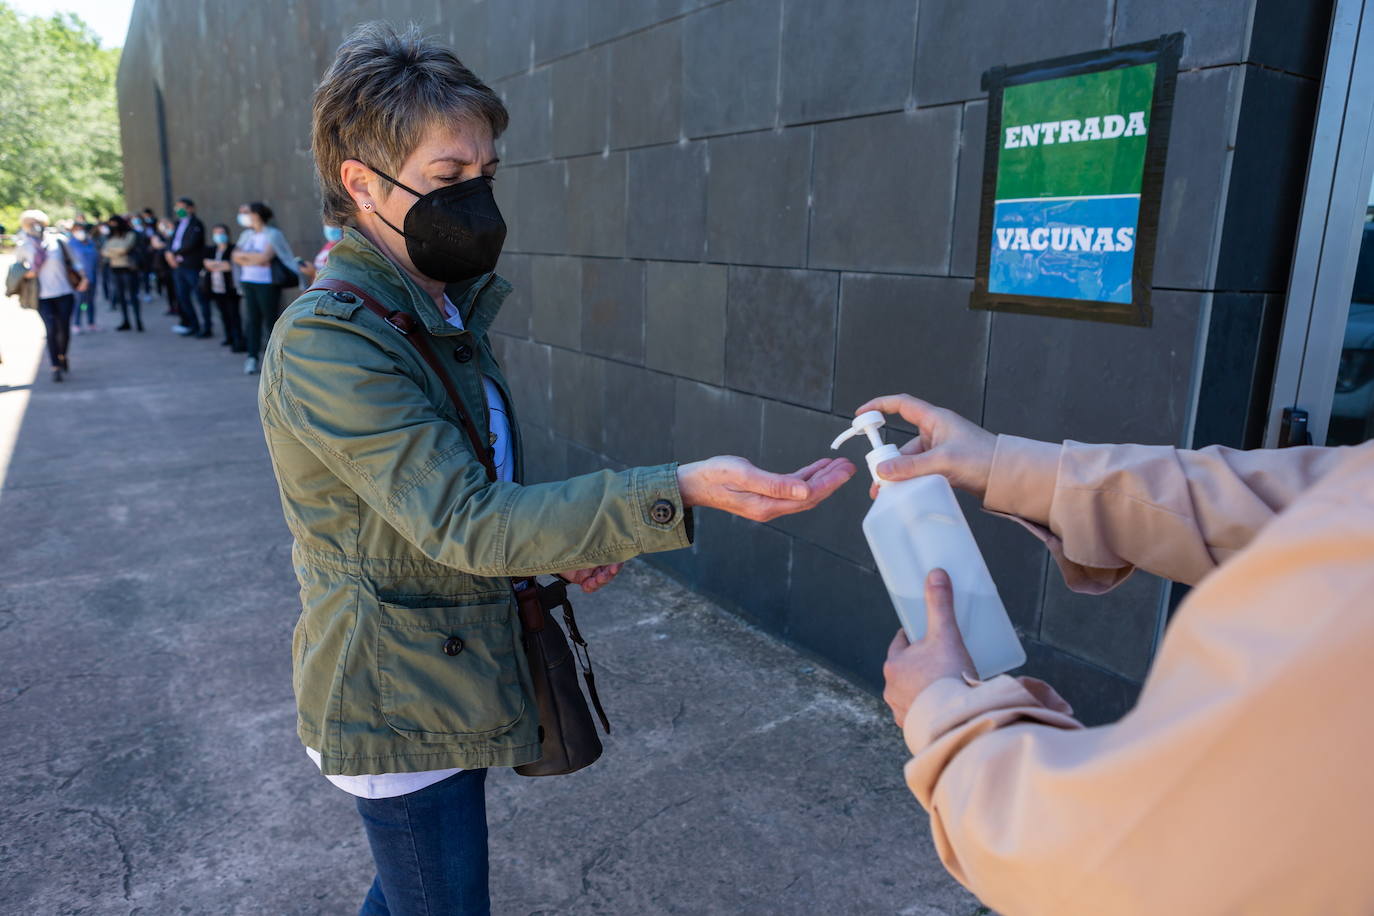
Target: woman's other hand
column 736, row 486
column 946, row 444
column 589, row 580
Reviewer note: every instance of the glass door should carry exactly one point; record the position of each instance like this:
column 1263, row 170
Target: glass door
column 1324, row 375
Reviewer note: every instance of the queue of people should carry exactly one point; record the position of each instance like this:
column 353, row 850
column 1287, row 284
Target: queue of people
column 129, row 260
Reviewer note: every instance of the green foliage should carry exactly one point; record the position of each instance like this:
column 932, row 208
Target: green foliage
column 59, row 124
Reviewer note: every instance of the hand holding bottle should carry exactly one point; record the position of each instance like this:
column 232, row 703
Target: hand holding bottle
column 736, row 486
column 947, row 444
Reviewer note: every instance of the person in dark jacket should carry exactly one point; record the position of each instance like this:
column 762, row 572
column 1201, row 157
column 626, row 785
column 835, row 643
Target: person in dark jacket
column 218, row 284
column 185, row 253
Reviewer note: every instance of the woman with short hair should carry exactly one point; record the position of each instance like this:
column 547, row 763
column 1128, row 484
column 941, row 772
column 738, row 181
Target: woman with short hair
column 408, row 509
column 47, row 260
column 259, row 245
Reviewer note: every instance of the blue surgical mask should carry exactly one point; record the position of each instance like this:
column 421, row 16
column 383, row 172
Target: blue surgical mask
column 332, row 233
column 220, row 238
column 138, row 224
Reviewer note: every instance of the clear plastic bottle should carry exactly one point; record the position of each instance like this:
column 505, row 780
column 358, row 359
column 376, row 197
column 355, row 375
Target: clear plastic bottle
column 915, row 526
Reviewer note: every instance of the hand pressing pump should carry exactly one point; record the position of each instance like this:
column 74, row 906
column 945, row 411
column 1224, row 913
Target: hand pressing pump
column 915, row 526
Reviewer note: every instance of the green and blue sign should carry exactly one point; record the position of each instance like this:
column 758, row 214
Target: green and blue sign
column 1071, row 198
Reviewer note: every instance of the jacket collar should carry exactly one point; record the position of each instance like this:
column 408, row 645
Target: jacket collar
column 357, row 260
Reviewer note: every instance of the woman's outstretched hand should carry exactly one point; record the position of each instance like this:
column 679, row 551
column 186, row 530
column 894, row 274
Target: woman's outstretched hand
column 946, row 444
column 736, row 486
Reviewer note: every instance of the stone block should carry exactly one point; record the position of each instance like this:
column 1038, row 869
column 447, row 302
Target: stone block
column 956, row 41
column 506, row 191
column 646, row 87
column 1057, row 379
column 780, row 334
column 840, row 612
column 526, row 97
column 556, row 306
column 545, row 457
column 581, row 460
column 581, row 104
column 884, row 194
column 1214, row 33
column 607, row 19
column 528, row 368
column 613, row 309
column 639, row 416
column 667, row 202
column 579, row 410
column 793, row 438
column 560, row 28
column 542, row 208
column 465, row 28
column 685, row 319
column 744, row 566
column 730, row 52
column 1098, row 697
column 910, row 335
column 541, row 195
column 846, row 59
column 1114, row 631
column 968, row 195
column 514, row 317
column 710, row 421
column 1291, row 35
column 1194, row 178
column 510, row 38
column 1267, row 180
column 756, row 198
column 596, row 205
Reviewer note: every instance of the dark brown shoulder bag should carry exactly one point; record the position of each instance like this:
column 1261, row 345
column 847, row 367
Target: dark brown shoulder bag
column 567, row 735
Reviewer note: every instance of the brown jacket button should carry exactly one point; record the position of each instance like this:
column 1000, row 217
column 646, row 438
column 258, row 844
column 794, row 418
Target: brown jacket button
column 453, row 645
column 662, row 512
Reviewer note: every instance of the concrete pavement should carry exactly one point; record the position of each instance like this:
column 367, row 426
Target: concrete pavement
column 147, row 749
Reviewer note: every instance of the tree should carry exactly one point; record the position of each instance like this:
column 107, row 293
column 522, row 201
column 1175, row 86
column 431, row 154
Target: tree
column 59, row 124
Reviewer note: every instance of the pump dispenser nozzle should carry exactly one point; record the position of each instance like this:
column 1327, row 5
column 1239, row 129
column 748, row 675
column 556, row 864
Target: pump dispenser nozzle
column 868, row 423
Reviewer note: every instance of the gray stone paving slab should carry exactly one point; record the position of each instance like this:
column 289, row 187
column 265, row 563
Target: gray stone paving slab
column 149, row 761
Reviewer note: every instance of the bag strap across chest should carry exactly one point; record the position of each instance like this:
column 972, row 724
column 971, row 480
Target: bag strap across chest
column 416, row 335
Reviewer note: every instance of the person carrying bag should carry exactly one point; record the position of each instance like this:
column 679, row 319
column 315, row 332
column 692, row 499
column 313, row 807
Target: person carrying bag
column 417, row 661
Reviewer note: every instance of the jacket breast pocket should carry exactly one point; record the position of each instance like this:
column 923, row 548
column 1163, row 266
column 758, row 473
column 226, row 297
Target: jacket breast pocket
column 448, row 673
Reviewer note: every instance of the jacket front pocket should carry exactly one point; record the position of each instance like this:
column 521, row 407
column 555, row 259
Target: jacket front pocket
column 448, row 673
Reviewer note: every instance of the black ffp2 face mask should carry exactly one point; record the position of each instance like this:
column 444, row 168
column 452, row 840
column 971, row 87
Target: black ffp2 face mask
column 453, row 233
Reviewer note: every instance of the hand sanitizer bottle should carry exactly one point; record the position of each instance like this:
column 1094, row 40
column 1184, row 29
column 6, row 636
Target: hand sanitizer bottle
column 915, row 526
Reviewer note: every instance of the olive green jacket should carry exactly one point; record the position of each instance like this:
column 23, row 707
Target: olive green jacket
column 402, row 544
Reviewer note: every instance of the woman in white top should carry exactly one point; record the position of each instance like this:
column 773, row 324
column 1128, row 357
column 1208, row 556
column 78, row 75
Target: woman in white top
column 254, row 252
column 45, row 258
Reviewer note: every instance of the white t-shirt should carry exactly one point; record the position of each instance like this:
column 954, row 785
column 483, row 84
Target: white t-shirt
column 256, row 243
column 390, row 785
column 52, row 276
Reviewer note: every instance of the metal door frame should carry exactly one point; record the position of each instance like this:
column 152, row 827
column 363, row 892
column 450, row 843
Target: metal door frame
column 1339, row 174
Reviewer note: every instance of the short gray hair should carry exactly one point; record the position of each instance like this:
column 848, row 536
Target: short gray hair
column 384, row 90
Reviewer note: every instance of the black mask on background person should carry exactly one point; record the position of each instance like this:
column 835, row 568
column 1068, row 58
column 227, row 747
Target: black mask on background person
column 454, row 233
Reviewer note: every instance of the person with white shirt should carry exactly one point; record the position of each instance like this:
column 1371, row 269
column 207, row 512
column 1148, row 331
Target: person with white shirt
column 258, row 246
column 45, row 258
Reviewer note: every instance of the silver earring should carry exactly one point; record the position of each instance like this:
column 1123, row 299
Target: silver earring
column 367, row 206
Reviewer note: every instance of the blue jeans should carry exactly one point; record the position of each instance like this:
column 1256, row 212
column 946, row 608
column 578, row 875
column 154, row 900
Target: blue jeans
column 85, row 302
column 430, row 848
column 187, row 280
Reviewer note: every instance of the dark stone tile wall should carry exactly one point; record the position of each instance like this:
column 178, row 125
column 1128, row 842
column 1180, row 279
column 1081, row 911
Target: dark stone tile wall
column 731, row 221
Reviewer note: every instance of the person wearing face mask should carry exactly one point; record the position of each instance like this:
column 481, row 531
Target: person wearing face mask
column 158, row 240
column 260, row 246
column 84, row 248
column 118, row 253
column 101, row 236
column 407, row 503
column 47, row 259
column 308, row 272
column 185, row 251
column 217, row 285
